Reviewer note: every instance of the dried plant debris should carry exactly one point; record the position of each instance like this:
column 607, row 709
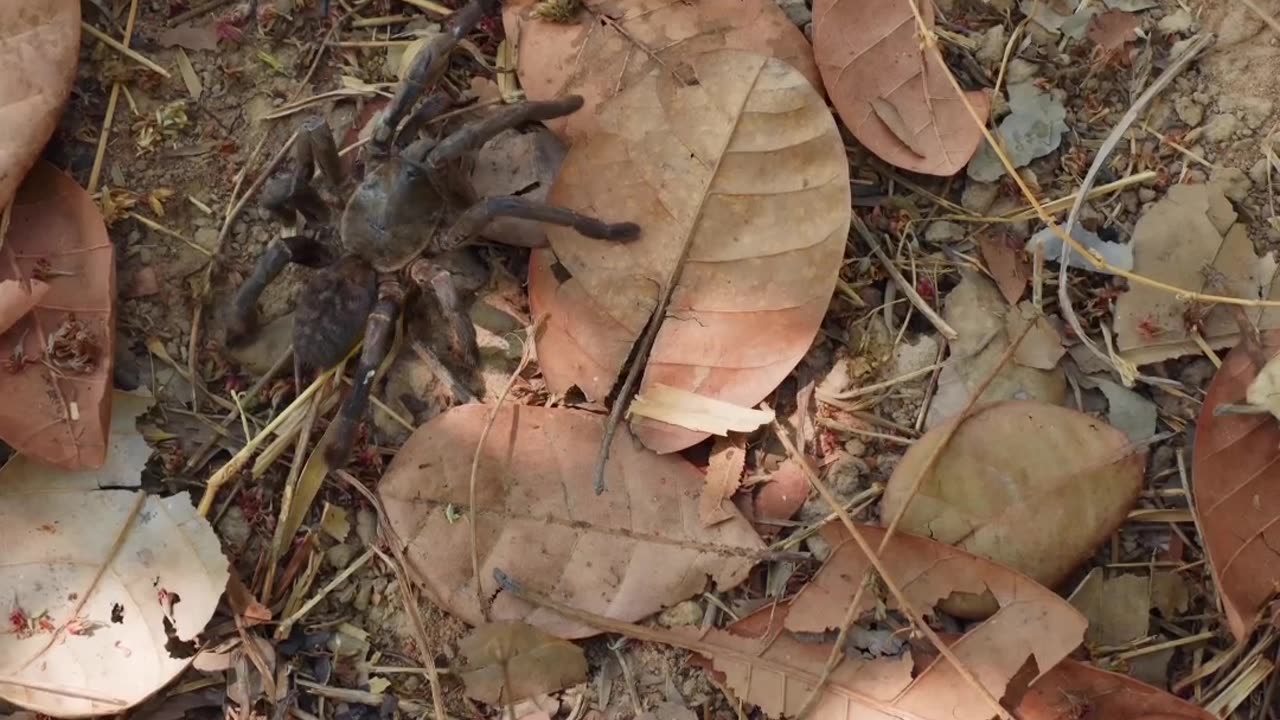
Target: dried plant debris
column 1032, row 486
column 1190, row 239
column 1033, row 128
column 509, row 661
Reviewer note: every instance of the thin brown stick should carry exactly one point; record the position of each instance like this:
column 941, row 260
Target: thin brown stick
column 133, row 55
column 63, row 690
column 196, row 12
column 105, row 134
column 837, row 651
column 907, row 288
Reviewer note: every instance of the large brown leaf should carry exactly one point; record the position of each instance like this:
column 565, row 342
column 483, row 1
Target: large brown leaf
column 39, row 47
column 625, row 554
column 1073, row 690
column 893, row 94
column 1033, row 486
column 592, row 57
column 1032, row 624
column 1236, row 476
column 58, row 410
column 741, row 186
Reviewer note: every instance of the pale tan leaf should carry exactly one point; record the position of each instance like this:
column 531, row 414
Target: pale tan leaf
column 1007, row 263
column 17, row 298
column 724, row 476
column 114, row 572
column 870, row 50
column 977, row 311
column 1042, row 347
column 740, row 182
column 1033, row 486
column 598, row 58
column 1033, row 624
column 625, row 554
column 696, row 412
column 39, row 48
column 1118, row 608
column 1191, row 230
column 892, row 119
column 509, row 661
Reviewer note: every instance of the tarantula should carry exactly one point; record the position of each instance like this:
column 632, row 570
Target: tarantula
column 406, row 220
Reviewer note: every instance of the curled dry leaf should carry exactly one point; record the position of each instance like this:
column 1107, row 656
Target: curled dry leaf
column 17, row 298
column 509, row 661
column 741, row 188
column 39, row 48
column 1073, row 690
column 894, row 95
column 724, row 476
column 1236, row 478
column 769, row 665
column 611, row 44
column 1035, row 487
column 1186, row 239
column 57, row 360
column 108, row 584
column 626, row 554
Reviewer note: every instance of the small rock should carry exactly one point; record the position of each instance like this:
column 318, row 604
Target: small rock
column 1179, row 21
column 1220, row 128
column 1254, row 111
column 340, row 556
column 913, row 355
column 978, row 196
column 855, row 447
column 991, row 47
column 1196, row 374
column 1020, row 71
column 1235, row 184
column 361, row 601
column 366, row 527
column 844, row 476
column 234, row 529
column 1146, row 195
column 681, row 614
column 206, row 237
column 797, row 11
column 1259, row 172
column 943, row 231
column 1189, row 111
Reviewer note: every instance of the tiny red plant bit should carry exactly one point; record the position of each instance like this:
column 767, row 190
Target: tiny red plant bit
column 17, row 359
column 18, row 622
column 925, row 287
column 1150, row 328
column 72, row 348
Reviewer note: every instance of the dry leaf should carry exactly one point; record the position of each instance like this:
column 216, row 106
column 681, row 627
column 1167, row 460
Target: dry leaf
column 741, row 180
column 976, row 310
column 1035, row 487
column 516, row 163
column 626, row 554
column 1236, row 478
column 58, row 404
column 1032, row 623
column 699, row 413
column 592, row 57
column 1264, row 388
column 509, row 661
column 1114, row 29
column 1042, row 348
column 204, row 37
column 1075, row 690
column 17, row 298
column 110, row 583
column 1118, row 608
column 784, row 493
column 1007, row 263
column 724, row 475
column 39, row 48
column 1190, row 230
column 869, row 52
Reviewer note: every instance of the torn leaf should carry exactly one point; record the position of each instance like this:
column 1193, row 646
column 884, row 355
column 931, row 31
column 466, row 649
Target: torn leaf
column 696, row 412
column 1033, row 128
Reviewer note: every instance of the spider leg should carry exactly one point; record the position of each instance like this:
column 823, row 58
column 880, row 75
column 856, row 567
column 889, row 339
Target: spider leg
column 474, row 219
column 472, row 136
column 461, row 331
column 243, row 318
column 289, row 193
column 431, row 108
column 427, row 67
column 378, row 334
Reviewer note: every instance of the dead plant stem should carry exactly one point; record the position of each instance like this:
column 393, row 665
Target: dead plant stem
column 105, row 133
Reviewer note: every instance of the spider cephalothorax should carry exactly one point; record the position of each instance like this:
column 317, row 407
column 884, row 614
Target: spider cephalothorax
column 400, row 229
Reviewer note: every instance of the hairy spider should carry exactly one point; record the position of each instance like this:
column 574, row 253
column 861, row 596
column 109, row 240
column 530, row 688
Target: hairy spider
column 401, row 230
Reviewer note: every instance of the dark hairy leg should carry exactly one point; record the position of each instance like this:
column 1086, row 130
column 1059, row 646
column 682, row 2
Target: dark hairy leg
column 243, row 318
column 474, row 219
column 378, row 334
column 473, row 135
column 288, row 192
column 427, row 67
column 461, row 331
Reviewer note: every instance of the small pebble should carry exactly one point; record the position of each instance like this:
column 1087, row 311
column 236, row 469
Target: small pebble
column 340, row 556
column 978, row 197
column 943, row 231
column 1235, row 184
column 366, row 527
column 1146, row 195
column 1258, row 173
column 1189, row 111
column 683, row 614
column 1220, row 128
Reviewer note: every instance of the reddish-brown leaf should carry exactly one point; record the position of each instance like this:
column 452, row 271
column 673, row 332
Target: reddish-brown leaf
column 1236, row 476
column 1007, row 263
column 58, row 410
column 1074, row 690
column 1113, row 29
column 39, row 47
column 740, row 186
column 625, row 554
column 607, row 47
column 871, row 60
column 1032, row 624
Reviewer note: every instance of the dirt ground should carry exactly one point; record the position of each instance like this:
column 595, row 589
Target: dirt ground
column 176, row 154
